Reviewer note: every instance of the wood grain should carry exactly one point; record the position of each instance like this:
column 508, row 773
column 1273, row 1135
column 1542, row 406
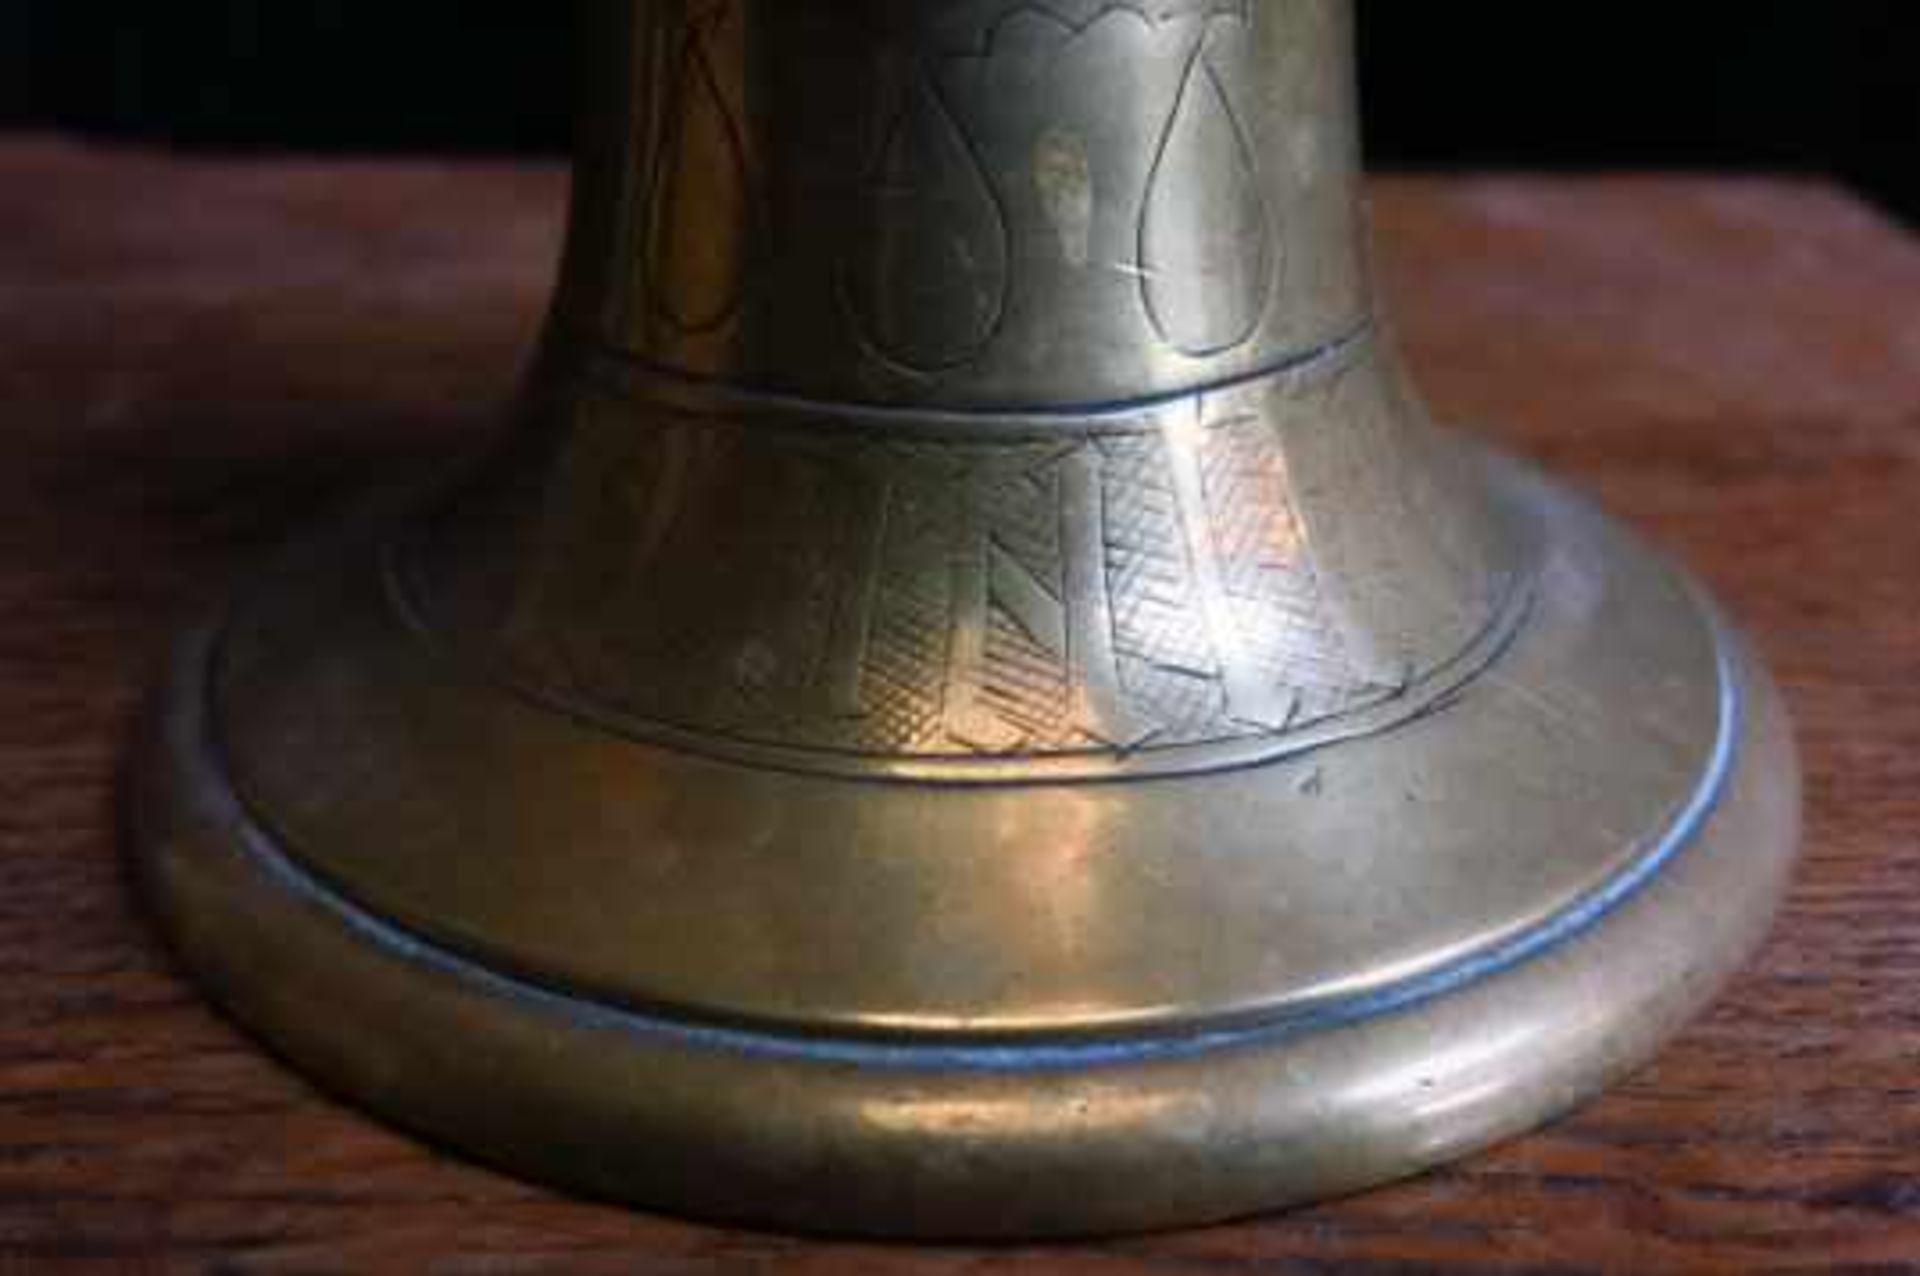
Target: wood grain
column 197, row 356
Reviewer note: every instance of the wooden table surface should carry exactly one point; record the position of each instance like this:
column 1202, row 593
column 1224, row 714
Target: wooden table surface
column 196, row 356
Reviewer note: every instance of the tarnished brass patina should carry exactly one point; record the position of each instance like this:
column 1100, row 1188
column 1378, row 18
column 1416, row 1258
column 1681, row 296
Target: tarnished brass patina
column 974, row 702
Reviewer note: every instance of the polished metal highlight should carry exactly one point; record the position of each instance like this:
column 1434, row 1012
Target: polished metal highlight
column 974, row 701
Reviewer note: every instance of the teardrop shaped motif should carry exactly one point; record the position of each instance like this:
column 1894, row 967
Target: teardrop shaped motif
column 701, row 211
column 1206, row 240
column 926, row 274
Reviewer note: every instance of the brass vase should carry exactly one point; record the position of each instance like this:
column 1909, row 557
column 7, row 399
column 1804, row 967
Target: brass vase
column 974, row 702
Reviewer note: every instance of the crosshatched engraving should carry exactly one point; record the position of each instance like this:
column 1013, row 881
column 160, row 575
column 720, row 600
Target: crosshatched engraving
column 1145, row 592
column 968, row 420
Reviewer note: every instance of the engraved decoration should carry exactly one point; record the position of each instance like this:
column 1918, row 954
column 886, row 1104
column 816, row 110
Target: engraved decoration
column 987, row 205
column 1141, row 216
column 697, row 170
column 929, row 286
column 1156, row 585
column 1143, row 592
column 1206, row 243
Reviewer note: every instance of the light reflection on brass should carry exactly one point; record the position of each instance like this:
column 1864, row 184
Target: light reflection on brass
column 990, row 1118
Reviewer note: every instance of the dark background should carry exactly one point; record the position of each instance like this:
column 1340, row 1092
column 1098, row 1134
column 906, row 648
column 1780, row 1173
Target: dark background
column 1819, row 86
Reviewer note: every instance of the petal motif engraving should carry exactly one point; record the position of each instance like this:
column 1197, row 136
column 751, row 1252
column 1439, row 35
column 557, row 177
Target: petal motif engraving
column 1207, row 245
column 702, row 212
column 926, row 275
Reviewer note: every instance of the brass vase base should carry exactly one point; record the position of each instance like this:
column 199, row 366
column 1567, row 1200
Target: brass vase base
column 973, row 701
column 913, row 1006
